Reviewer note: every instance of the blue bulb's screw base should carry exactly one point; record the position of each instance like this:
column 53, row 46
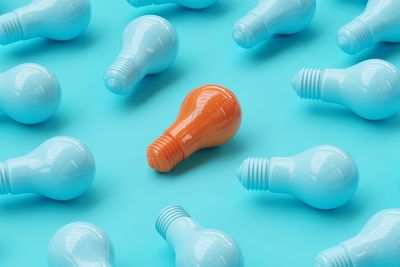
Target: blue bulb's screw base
column 121, row 77
column 354, row 37
column 253, row 174
column 167, row 216
column 5, row 187
column 334, row 257
column 307, row 83
column 250, row 31
column 11, row 29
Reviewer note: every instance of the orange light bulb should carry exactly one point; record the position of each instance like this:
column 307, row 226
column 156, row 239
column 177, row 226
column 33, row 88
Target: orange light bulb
column 209, row 116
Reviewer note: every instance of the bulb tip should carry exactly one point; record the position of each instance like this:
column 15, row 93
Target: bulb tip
column 354, row 37
column 115, row 86
column 346, row 43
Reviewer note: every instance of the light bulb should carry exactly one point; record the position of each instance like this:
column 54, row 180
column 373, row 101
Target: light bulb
column 371, row 89
column 195, row 245
column 272, row 17
column 80, row 244
column 62, row 168
column 209, row 116
column 324, row 177
column 380, row 22
column 194, row 4
column 149, row 46
column 29, row 93
column 59, row 20
column 377, row 245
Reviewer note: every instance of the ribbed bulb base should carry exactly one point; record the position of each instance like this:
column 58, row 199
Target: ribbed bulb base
column 334, row 257
column 253, row 174
column 307, row 83
column 167, row 216
column 11, row 29
column 121, row 76
column 164, row 154
column 354, row 37
column 5, row 186
column 250, row 31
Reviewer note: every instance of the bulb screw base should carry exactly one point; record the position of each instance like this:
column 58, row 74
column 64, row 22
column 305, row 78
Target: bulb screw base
column 354, row 37
column 334, row 257
column 253, row 174
column 121, row 77
column 5, row 186
column 11, row 29
column 167, row 216
column 307, row 83
column 164, row 154
column 250, row 31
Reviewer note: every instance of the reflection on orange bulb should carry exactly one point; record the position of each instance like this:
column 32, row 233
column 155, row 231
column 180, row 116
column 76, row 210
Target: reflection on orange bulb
column 209, row 116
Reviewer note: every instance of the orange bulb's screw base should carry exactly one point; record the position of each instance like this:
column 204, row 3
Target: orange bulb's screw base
column 164, row 154
column 210, row 116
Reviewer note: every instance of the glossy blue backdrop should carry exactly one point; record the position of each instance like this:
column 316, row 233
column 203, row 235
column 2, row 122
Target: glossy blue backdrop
column 126, row 195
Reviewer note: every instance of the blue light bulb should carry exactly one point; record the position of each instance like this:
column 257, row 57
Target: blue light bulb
column 149, row 46
column 60, row 20
column 29, row 93
column 324, row 177
column 194, row 4
column 272, row 17
column 80, row 244
column 62, row 168
column 371, row 89
column 377, row 245
column 195, row 245
column 380, row 22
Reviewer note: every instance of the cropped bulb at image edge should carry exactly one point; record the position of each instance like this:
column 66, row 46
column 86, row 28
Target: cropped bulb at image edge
column 324, row 177
column 60, row 20
column 194, row 4
column 377, row 245
column 80, row 244
column 380, row 22
column 62, row 168
column 271, row 17
column 194, row 245
column 149, row 46
column 371, row 89
column 29, row 93
column 210, row 116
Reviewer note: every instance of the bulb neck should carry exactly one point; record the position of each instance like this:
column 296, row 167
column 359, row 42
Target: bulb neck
column 334, row 257
column 253, row 174
column 355, row 37
column 123, row 75
column 250, row 31
column 164, row 153
column 174, row 224
column 11, row 29
column 5, row 185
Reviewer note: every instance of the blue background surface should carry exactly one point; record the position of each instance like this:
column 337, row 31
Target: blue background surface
column 126, row 196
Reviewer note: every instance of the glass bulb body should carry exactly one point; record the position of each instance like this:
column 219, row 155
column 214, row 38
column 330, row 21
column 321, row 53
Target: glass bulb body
column 80, row 244
column 324, row 177
column 194, row 245
column 149, row 46
column 377, row 245
column 371, row 89
column 380, row 22
column 59, row 20
column 209, row 116
column 194, row 4
column 29, row 93
column 62, row 168
column 272, row 17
